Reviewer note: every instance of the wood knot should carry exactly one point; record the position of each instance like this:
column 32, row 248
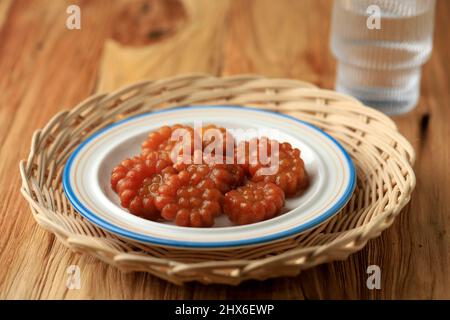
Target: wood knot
column 147, row 21
column 424, row 125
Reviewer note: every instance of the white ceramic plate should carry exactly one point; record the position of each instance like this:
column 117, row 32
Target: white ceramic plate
column 87, row 174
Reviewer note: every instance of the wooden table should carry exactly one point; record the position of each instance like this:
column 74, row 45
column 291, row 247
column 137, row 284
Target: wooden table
column 44, row 68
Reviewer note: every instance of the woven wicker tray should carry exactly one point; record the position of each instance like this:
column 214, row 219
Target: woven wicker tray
column 382, row 156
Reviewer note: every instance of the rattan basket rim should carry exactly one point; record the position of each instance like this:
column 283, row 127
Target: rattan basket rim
column 387, row 163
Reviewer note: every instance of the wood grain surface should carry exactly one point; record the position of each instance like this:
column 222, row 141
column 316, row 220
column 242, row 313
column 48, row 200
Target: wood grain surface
column 44, row 68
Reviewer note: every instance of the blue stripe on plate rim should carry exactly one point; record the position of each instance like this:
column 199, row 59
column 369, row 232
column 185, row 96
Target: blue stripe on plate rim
column 91, row 216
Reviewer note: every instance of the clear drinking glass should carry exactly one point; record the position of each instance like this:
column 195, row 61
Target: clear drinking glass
column 381, row 46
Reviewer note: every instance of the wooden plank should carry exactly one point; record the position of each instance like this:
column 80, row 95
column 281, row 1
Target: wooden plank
column 45, row 68
column 423, row 233
column 4, row 10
